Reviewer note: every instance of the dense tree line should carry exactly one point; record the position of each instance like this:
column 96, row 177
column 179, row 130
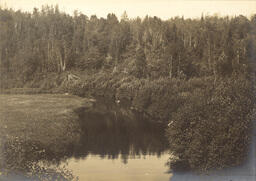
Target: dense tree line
column 196, row 74
column 51, row 41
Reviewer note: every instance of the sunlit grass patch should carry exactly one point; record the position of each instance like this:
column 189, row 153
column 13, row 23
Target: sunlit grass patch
column 37, row 128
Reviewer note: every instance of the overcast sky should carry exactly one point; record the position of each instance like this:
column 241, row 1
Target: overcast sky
column 161, row 8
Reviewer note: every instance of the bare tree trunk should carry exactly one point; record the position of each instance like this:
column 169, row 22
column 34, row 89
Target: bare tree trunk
column 64, row 66
column 59, row 59
column 48, row 51
column 178, row 71
column 170, row 73
column 190, row 40
column 209, row 58
column 60, row 62
column 184, row 40
column 66, row 53
column 214, row 71
column 238, row 57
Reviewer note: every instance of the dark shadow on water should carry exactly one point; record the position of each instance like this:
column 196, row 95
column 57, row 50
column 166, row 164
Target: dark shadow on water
column 108, row 130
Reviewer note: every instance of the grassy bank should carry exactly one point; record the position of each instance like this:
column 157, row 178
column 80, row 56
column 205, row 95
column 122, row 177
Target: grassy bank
column 37, row 128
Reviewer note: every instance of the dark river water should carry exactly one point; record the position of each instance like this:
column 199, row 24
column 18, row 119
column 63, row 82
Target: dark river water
column 118, row 144
column 91, row 142
column 114, row 143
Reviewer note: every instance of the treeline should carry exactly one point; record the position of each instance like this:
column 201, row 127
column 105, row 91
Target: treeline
column 48, row 41
column 195, row 74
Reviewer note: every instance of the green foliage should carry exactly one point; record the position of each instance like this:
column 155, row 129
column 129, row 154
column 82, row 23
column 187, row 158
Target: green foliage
column 212, row 128
column 21, row 156
column 48, row 40
column 140, row 63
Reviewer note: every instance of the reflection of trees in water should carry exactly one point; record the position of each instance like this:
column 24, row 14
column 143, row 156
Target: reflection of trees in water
column 108, row 131
column 111, row 131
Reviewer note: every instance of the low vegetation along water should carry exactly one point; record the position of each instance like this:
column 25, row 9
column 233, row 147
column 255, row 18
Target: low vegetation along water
column 62, row 137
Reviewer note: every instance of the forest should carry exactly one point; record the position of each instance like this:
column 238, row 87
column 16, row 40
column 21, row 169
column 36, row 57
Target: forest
column 194, row 74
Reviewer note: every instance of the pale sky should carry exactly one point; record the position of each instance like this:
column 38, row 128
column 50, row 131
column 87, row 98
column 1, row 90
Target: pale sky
column 162, row 8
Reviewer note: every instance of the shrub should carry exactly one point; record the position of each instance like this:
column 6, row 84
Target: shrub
column 212, row 128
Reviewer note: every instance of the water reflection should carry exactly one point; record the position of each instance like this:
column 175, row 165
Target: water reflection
column 105, row 130
column 108, row 130
column 119, row 144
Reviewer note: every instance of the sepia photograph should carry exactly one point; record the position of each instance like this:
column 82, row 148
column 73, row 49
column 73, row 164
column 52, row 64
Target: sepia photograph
column 127, row 90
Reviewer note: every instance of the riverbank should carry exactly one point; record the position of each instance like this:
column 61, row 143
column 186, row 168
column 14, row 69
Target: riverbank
column 213, row 116
column 32, row 125
column 54, row 128
column 30, row 115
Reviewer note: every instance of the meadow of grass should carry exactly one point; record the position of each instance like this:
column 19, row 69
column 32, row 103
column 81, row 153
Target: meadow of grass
column 35, row 128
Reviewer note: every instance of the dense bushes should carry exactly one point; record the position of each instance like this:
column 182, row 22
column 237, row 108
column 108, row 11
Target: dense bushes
column 212, row 128
column 157, row 98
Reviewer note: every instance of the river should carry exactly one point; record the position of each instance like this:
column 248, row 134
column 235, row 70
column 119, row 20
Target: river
column 119, row 144
column 102, row 141
column 58, row 137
